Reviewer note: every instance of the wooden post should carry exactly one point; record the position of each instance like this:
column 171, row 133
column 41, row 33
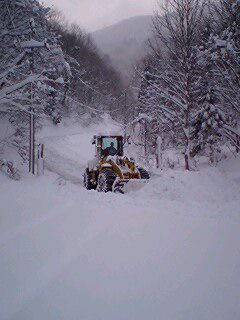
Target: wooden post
column 145, row 139
column 40, row 160
column 159, row 153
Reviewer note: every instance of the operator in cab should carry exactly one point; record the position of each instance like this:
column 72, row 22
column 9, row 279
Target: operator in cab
column 111, row 150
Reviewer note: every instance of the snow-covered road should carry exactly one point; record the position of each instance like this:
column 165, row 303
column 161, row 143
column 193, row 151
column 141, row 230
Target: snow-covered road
column 168, row 251
column 67, row 153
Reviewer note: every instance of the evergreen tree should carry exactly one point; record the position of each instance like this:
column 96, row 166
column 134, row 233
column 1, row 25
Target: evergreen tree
column 208, row 127
column 219, row 57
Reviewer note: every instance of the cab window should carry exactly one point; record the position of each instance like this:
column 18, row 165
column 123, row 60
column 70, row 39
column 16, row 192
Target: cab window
column 110, row 146
column 106, row 142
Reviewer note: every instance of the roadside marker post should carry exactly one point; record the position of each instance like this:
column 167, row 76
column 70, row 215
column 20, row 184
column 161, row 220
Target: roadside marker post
column 40, row 160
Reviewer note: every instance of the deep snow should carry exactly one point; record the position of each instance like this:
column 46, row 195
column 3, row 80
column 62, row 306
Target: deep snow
column 168, row 251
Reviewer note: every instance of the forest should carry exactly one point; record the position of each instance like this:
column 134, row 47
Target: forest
column 187, row 91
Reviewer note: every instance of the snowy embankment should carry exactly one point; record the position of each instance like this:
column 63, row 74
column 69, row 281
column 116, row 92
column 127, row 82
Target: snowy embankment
column 168, row 251
column 68, row 150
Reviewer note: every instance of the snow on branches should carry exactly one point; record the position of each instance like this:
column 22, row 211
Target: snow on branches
column 31, row 65
column 190, row 82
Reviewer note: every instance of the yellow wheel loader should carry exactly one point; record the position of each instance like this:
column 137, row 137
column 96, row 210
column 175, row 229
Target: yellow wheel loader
column 110, row 170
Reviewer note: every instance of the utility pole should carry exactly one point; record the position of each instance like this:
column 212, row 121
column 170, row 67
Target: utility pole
column 32, row 141
column 125, row 107
column 31, row 122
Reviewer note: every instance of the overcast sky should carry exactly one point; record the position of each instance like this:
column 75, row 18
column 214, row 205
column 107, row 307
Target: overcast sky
column 96, row 14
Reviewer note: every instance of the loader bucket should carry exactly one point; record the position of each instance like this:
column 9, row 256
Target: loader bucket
column 127, row 185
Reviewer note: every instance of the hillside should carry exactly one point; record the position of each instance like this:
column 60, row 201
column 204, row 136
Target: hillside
column 125, row 42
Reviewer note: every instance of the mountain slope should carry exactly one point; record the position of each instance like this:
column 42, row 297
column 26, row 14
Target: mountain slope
column 125, row 42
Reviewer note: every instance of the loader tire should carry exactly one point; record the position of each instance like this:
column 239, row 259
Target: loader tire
column 87, row 180
column 106, row 179
column 143, row 173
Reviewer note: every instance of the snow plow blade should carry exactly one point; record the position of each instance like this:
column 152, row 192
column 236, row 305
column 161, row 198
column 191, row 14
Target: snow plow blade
column 127, row 185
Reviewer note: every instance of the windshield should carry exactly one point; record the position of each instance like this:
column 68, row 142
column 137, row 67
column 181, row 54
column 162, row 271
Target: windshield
column 111, row 146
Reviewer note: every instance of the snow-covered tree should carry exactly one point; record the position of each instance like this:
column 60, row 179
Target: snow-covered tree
column 219, row 57
column 95, row 86
column 208, row 127
column 32, row 66
column 190, row 83
column 174, row 85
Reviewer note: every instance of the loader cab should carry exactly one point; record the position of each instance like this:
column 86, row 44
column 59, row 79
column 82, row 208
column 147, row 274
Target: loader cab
column 108, row 145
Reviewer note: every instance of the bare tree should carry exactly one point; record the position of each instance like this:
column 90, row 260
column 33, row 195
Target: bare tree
column 175, row 73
